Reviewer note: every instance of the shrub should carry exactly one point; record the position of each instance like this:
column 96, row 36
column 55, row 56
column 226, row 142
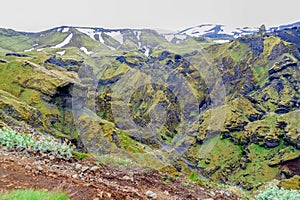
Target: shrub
column 44, row 144
column 274, row 192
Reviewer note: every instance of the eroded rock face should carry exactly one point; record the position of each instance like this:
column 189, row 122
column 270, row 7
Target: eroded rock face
column 256, row 44
column 15, row 112
column 47, row 105
column 70, row 65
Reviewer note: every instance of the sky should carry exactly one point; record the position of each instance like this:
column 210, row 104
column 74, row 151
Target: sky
column 173, row 15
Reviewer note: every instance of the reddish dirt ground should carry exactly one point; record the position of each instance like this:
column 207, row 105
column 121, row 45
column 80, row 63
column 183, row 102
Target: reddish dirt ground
column 89, row 181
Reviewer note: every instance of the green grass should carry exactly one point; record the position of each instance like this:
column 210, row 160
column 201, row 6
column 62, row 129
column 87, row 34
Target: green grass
column 15, row 43
column 222, row 153
column 34, row 195
column 259, row 72
column 129, row 144
column 80, row 156
column 187, row 46
column 258, row 169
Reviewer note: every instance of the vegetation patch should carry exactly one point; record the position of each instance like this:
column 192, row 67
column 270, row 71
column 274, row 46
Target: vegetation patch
column 43, row 144
column 279, row 194
column 34, row 195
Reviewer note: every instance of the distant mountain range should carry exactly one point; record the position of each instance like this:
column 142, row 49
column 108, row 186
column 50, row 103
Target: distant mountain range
column 90, row 39
column 223, row 32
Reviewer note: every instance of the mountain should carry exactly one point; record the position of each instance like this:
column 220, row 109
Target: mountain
column 218, row 31
column 184, row 105
column 86, row 39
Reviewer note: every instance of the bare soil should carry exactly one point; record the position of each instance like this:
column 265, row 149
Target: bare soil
column 87, row 180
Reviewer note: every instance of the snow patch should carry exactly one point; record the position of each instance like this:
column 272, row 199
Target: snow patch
column 35, row 45
column 86, row 51
column 111, row 48
column 100, row 38
column 198, row 30
column 64, row 43
column 87, row 31
column 139, row 44
column 117, row 35
column 138, row 34
column 181, row 37
column 164, row 31
column 221, row 41
column 61, row 52
column 147, row 51
column 28, row 50
column 40, row 49
column 65, row 30
column 226, row 30
column 169, row 37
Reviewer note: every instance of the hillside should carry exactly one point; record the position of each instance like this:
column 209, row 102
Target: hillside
column 179, row 104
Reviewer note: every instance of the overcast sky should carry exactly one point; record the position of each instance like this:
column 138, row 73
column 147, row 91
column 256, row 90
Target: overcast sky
column 37, row 15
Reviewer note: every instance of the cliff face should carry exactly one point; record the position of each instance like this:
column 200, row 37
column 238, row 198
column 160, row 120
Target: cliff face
column 229, row 111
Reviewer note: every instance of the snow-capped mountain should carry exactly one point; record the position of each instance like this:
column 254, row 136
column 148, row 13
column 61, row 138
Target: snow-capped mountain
column 89, row 41
column 217, row 31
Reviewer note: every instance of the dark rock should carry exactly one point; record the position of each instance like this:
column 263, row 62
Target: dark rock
column 283, row 64
column 115, row 139
column 256, row 44
column 70, row 65
column 121, row 59
column 277, row 51
column 190, row 54
column 254, row 117
column 281, row 125
column 178, row 167
column 282, row 110
column 265, row 97
column 177, row 58
column 271, row 142
column 3, row 61
column 164, row 55
column 17, row 55
column 243, row 165
column 207, row 161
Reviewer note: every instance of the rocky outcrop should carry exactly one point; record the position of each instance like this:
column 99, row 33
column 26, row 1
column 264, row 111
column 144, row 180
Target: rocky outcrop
column 17, row 55
column 17, row 113
column 3, row 61
column 70, row 65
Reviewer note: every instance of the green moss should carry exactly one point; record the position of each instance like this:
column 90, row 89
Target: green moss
column 115, row 70
column 258, row 171
column 80, row 156
column 129, row 144
column 291, row 184
column 259, row 73
column 223, row 153
column 269, row 44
